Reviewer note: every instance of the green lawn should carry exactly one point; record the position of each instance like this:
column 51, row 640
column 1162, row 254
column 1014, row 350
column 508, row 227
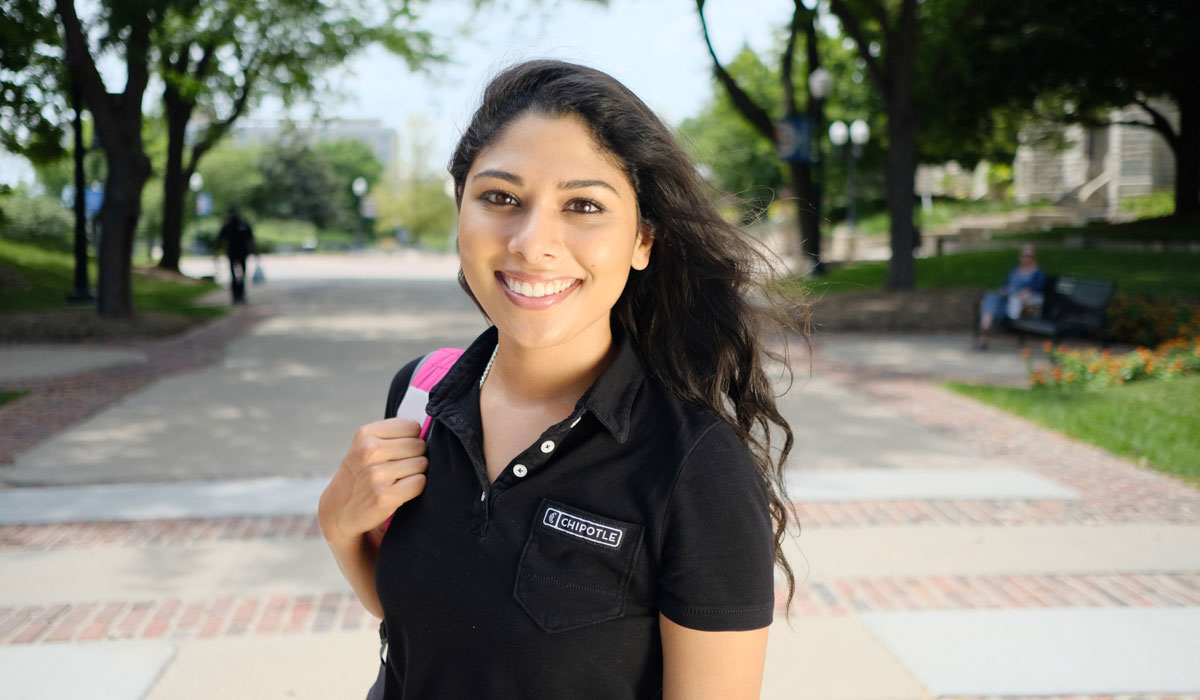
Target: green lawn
column 35, row 279
column 1163, row 229
column 10, row 396
column 1152, row 422
column 1163, row 274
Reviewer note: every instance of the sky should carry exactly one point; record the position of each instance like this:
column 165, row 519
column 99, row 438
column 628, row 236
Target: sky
column 653, row 46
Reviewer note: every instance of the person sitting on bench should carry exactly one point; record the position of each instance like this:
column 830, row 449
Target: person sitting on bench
column 1021, row 295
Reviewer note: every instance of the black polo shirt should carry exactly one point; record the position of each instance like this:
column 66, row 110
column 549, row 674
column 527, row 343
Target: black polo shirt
column 548, row 583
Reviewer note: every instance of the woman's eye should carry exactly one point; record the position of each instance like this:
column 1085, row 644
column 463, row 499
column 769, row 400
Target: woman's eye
column 498, row 197
column 584, row 206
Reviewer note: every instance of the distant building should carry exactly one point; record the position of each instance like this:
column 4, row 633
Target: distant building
column 382, row 140
column 1094, row 168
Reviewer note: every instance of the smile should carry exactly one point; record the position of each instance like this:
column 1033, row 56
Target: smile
column 537, row 290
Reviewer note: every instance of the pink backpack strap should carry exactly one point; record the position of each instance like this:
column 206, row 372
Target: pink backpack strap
column 426, row 376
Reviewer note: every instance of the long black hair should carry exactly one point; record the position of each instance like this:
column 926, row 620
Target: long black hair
column 705, row 299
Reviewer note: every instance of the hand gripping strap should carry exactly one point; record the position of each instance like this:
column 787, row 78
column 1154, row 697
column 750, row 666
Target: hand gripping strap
column 427, row 374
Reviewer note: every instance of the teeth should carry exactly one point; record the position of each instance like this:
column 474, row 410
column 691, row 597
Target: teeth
column 539, row 289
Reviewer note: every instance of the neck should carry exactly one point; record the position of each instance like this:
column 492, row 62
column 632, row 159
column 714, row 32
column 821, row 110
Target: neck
column 557, row 374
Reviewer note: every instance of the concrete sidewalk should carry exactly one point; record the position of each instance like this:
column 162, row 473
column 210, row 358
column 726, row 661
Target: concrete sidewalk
column 170, row 547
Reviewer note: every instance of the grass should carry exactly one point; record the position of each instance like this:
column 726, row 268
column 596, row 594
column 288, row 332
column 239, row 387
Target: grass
column 942, row 213
column 35, row 279
column 1165, row 229
column 10, row 396
column 1156, row 423
column 1163, row 274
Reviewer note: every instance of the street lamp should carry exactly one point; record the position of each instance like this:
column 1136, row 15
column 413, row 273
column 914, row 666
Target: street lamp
column 820, row 83
column 858, row 133
column 359, row 187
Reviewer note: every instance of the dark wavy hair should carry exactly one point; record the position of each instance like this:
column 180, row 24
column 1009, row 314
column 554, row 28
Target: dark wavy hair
column 706, row 297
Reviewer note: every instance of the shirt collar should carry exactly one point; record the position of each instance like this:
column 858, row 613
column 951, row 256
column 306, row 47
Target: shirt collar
column 609, row 399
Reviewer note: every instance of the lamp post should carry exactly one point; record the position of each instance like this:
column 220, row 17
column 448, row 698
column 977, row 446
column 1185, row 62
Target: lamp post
column 820, row 86
column 858, row 133
column 359, row 187
column 82, row 293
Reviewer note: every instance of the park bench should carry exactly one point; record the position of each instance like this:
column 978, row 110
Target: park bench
column 1072, row 306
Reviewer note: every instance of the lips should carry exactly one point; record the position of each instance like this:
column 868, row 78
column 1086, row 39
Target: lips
column 537, row 289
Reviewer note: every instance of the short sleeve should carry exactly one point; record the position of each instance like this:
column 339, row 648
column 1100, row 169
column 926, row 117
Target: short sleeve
column 718, row 556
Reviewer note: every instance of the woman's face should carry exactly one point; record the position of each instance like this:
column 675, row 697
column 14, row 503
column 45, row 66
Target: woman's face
column 548, row 232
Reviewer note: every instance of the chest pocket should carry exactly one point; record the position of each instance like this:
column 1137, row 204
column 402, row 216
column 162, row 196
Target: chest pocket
column 575, row 567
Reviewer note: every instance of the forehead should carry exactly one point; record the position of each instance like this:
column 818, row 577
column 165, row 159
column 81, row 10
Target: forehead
column 559, row 146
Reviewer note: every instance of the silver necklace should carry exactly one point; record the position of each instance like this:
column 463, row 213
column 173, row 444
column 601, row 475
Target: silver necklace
column 488, row 368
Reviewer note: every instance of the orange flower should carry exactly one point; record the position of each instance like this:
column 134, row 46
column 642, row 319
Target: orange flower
column 1047, row 346
column 1025, row 353
column 1070, row 377
column 1057, row 374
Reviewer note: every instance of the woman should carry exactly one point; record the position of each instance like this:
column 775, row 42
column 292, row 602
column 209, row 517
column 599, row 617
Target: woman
column 599, row 511
column 1022, row 292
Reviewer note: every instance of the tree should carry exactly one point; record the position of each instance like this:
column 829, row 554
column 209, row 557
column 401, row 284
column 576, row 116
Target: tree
column 742, row 162
column 746, row 165
column 118, row 122
column 348, row 160
column 231, row 176
column 886, row 36
column 297, row 184
column 217, row 57
column 1077, row 61
column 33, row 84
column 411, row 197
column 801, row 175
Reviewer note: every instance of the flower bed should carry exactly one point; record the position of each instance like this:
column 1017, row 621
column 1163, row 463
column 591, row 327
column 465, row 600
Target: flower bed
column 1089, row 368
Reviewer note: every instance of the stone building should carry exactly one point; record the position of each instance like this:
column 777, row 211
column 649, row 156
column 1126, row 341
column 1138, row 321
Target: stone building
column 1093, row 169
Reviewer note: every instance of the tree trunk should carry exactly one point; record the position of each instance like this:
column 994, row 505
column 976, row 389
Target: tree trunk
column 1187, row 156
column 175, row 182
column 128, row 170
column 806, row 214
column 902, row 148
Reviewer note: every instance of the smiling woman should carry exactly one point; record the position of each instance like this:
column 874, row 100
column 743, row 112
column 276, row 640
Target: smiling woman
column 596, row 509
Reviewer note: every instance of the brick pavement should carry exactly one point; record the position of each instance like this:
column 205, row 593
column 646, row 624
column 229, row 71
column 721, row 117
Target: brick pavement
column 1114, row 491
column 54, row 404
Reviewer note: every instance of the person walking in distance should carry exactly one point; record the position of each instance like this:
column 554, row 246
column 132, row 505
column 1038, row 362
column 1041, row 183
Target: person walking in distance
column 237, row 239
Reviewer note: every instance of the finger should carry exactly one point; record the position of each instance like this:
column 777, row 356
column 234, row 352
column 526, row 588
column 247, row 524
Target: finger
column 378, row 451
column 408, row 488
column 388, row 473
column 392, row 428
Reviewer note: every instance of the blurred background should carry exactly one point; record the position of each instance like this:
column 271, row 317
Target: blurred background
column 892, row 155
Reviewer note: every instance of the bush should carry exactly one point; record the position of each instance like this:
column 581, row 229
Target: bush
column 1150, row 206
column 1089, row 369
column 1144, row 320
column 40, row 221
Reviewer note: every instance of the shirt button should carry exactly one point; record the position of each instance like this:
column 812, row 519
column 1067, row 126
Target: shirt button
column 520, row 470
column 548, row 446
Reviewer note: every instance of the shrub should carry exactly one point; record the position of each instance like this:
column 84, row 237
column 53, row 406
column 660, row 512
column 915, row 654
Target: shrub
column 1091, row 369
column 1145, row 320
column 40, row 221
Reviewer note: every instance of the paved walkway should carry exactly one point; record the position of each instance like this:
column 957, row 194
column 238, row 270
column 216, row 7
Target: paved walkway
column 160, row 536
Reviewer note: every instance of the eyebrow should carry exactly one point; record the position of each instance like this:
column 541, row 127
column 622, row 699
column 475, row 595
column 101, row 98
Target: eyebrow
column 568, row 185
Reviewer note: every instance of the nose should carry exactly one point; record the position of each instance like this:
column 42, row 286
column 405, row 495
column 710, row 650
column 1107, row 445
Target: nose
column 538, row 236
